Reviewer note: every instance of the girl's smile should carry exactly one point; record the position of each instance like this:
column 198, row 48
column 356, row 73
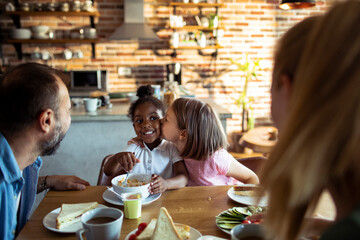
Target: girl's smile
column 147, row 123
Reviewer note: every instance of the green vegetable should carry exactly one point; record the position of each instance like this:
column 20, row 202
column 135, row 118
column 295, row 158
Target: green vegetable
column 228, row 219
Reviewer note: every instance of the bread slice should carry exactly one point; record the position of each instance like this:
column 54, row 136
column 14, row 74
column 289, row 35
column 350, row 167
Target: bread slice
column 70, row 213
column 148, row 231
column 182, row 229
column 165, row 228
column 247, row 191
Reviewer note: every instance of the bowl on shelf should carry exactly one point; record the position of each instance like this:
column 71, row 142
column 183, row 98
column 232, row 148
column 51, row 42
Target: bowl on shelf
column 20, row 33
column 130, row 188
column 40, row 32
column 40, row 29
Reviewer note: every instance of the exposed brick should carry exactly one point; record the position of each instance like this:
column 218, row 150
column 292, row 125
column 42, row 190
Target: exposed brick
column 251, row 28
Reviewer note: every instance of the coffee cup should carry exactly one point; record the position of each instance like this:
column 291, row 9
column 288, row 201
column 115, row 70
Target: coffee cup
column 67, row 54
column 91, row 104
column 247, row 232
column 45, row 55
column 101, row 223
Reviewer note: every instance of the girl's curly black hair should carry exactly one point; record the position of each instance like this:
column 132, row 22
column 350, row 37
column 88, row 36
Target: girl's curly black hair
column 145, row 94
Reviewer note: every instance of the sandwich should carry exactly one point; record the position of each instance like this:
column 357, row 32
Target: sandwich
column 252, row 191
column 71, row 213
column 165, row 228
column 147, row 233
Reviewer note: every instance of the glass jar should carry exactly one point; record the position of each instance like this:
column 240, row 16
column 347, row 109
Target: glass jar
column 170, row 92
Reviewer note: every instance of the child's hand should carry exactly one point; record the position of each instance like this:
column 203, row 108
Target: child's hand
column 157, row 184
column 127, row 160
column 137, row 141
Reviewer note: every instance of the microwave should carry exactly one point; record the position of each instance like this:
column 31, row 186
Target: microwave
column 82, row 82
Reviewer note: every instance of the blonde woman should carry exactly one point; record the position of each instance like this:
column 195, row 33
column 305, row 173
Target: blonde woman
column 319, row 140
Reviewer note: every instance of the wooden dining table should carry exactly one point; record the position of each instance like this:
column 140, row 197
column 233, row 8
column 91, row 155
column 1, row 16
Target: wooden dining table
column 194, row 206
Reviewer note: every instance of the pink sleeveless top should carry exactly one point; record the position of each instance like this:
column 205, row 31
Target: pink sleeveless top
column 211, row 171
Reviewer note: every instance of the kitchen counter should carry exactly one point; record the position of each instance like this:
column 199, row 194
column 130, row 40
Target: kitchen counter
column 119, row 110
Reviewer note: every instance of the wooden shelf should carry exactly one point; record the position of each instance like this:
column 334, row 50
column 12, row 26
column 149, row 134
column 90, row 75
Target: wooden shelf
column 196, row 28
column 189, row 28
column 51, row 41
column 194, row 5
column 47, row 14
column 16, row 17
column 196, row 47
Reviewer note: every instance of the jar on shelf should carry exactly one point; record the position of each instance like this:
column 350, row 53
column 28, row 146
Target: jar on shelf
column 76, row 6
column 170, row 91
column 25, row 7
column 174, row 41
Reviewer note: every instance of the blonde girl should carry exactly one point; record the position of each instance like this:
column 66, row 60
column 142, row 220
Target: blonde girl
column 196, row 130
column 319, row 141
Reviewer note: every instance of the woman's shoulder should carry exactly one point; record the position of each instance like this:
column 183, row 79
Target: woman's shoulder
column 348, row 228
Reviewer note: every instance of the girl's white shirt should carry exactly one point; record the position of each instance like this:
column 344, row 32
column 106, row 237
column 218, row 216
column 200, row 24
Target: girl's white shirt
column 158, row 161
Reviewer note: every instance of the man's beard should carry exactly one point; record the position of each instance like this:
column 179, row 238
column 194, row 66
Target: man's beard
column 50, row 147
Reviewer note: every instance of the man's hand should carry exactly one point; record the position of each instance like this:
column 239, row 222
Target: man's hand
column 66, row 182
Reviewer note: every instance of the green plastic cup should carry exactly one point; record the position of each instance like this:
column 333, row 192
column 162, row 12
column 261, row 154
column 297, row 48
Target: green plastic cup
column 132, row 208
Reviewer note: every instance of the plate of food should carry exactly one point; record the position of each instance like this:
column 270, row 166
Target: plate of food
column 110, row 197
column 228, row 219
column 66, row 219
column 163, row 228
column 247, row 194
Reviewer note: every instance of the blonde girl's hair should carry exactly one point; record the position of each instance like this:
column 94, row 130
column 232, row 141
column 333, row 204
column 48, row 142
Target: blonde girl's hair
column 289, row 49
column 319, row 145
column 205, row 132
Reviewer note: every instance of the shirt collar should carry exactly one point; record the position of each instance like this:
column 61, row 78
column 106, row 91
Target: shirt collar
column 161, row 147
column 8, row 166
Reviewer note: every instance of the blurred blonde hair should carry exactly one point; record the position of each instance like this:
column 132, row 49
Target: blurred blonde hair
column 320, row 142
column 205, row 132
column 289, row 48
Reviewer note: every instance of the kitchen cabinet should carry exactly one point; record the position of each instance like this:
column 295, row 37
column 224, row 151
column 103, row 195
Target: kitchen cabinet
column 16, row 17
column 200, row 27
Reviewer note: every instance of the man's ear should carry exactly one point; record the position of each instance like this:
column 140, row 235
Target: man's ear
column 286, row 83
column 183, row 134
column 46, row 120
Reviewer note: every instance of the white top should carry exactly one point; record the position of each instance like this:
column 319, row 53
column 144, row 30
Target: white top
column 158, row 161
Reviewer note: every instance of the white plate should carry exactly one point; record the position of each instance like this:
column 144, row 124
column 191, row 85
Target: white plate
column 224, row 230
column 49, row 222
column 194, row 234
column 110, row 197
column 247, row 200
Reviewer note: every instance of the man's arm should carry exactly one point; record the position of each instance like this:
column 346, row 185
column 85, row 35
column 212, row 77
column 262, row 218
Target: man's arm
column 61, row 182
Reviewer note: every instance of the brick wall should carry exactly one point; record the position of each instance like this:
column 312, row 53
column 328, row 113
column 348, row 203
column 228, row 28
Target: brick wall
column 251, row 28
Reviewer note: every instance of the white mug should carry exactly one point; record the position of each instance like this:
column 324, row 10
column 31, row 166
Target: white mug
column 91, row 104
column 67, row 54
column 101, row 223
column 245, row 231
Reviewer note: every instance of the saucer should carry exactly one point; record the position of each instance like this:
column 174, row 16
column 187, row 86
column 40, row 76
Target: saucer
column 110, row 197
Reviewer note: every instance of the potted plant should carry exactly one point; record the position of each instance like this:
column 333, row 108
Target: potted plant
column 249, row 71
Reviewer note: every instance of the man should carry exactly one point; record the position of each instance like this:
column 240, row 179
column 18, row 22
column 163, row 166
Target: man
column 34, row 117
